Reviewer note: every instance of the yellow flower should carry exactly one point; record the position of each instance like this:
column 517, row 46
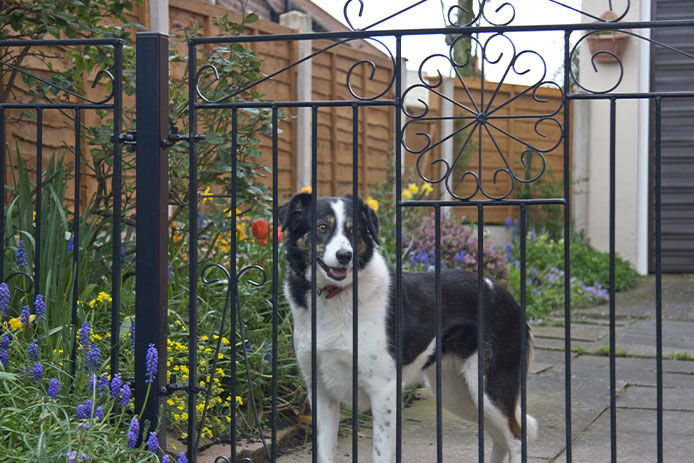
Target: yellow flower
column 32, row 318
column 239, row 400
column 228, row 212
column 426, row 188
column 16, row 323
column 206, row 192
column 225, row 340
column 413, row 188
column 406, row 194
column 306, row 189
column 241, row 231
column 220, row 356
column 372, row 203
column 204, row 338
column 34, row 217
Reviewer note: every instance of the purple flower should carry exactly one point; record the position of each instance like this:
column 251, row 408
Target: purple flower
column 37, row 371
column 4, row 344
column 53, row 386
column 153, row 442
column 70, row 245
column 92, row 359
column 182, row 458
column 39, row 307
column 532, row 236
column 81, row 412
column 133, row 433
column 33, row 349
column 132, row 336
column 4, row 299
column 21, row 255
column 99, row 414
column 460, row 258
column 151, row 363
column 165, row 459
column 116, row 384
column 170, row 273
column 507, row 222
column 71, row 456
column 125, row 395
column 92, row 382
column 85, row 335
column 533, row 272
column 84, row 426
column 24, row 315
column 103, row 383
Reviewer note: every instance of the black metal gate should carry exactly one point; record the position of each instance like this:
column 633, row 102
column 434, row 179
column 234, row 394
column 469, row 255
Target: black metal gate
column 479, row 117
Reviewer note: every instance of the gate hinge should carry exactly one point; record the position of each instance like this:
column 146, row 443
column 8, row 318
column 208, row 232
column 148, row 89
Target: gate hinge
column 127, row 138
column 174, row 137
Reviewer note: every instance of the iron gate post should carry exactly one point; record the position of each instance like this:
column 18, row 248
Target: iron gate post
column 152, row 111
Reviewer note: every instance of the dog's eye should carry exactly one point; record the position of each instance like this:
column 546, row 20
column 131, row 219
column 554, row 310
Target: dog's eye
column 322, row 227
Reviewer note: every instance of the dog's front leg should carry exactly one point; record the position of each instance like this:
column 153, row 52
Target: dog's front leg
column 383, row 410
column 326, row 419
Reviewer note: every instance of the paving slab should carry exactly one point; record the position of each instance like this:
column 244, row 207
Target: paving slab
column 639, row 338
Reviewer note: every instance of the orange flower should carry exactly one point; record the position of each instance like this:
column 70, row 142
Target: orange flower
column 280, row 235
column 259, row 229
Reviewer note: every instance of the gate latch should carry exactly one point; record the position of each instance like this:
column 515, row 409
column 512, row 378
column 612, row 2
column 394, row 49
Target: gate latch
column 174, row 137
column 128, row 138
column 174, row 387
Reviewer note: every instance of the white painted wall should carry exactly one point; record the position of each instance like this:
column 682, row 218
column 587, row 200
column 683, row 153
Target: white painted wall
column 592, row 135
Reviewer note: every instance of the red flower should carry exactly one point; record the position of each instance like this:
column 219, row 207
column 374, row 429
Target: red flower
column 259, row 228
column 280, row 235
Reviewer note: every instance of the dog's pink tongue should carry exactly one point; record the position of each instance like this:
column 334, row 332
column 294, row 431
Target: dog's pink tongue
column 338, row 272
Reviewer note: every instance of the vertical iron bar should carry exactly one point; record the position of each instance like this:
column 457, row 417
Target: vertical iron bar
column 193, row 255
column 439, row 335
column 314, row 319
column 116, row 188
column 234, row 281
column 613, row 379
column 658, row 283
column 39, row 199
column 151, row 277
column 480, row 330
column 76, row 232
column 398, row 248
column 567, row 249
column 355, row 284
column 523, row 333
column 275, row 281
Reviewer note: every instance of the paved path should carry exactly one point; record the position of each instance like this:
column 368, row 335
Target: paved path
column 590, row 401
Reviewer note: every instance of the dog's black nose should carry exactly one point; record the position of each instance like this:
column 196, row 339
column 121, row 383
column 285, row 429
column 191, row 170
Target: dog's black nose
column 344, row 256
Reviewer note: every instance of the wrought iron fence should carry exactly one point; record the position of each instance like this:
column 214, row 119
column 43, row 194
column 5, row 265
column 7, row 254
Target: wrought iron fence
column 475, row 188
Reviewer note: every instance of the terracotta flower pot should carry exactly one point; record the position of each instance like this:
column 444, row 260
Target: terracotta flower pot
column 610, row 41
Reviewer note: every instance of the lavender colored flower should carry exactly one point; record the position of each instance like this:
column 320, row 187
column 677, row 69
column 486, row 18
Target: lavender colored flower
column 37, row 371
column 133, row 433
column 122, row 253
column 125, row 395
column 151, row 363
column 507, row 222
column 92, row 382
column 85, row 335
column 152, row 442
column 170, row 273
column 460, row 258
column 53, row 386
column 4, row 344
column 81, row 412
column 4, row 299
column 20, row 256
column 182, row 458
column 165, row 459
column 70, row 245
column 84, row 426
column 116, row 384
column 132, row 336
column 39, row 307
column 92, row 359
column 33, row 349
column 103, row 383
column 533, row 272
column 25, row 314
column 71, row 456
column 99, row 414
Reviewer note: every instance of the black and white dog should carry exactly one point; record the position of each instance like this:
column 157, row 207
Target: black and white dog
column 376, row 324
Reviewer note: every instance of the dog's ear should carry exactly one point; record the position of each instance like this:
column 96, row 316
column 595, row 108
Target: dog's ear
column 370, row 219
column 290, row 213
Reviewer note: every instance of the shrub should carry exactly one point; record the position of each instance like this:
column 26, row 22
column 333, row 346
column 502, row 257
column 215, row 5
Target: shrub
column 457, row 247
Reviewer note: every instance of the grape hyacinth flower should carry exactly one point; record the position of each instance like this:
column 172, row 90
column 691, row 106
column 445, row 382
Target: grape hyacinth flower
column 151, row 363
column 132, row 336
column 125, row 395
column 152, row 442
column 99, row 414
column 37, row 371
column 165, row 459
column 71, row 456
column 4, row 299
column 20, row 256
column 92, row 359
column 92, row 382
column 39, row 307
column 4, row 344
column 33, row 349
column 103, row 383
column 116, row 384
column 133, row 433
column 182, row 458
column 24, row 315
column 53, row 386
column 70, row 245
column 85, row 335
column 81, row 412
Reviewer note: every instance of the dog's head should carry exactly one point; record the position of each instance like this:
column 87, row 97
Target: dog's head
column 335, row 221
